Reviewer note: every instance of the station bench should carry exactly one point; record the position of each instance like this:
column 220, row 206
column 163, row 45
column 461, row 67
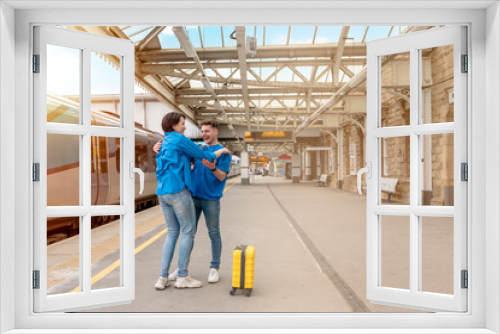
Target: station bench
column 322, row 180
column 388, row 185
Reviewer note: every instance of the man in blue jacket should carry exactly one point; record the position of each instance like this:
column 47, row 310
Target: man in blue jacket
column 208, row 182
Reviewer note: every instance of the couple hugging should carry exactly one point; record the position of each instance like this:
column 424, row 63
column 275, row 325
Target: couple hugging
column 184, row 193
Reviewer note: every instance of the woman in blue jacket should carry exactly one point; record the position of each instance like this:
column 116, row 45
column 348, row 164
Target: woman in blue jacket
column 173, row 173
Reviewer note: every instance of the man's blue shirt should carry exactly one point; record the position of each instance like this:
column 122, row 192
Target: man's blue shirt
column 205, row 184
column 173, row 170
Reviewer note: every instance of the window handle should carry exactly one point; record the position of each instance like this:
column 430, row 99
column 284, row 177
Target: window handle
column 368, row 171
column 133, row 170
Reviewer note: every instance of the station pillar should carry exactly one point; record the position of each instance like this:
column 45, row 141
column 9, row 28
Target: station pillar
column 308, row 165
column 340, row 157
column 245, row 170
column 296, row 167
column 318, row 163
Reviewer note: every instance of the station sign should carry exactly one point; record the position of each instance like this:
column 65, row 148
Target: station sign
column 269, row 136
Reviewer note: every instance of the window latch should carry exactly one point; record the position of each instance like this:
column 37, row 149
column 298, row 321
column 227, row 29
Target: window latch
column 133, row 170
column 368, row 171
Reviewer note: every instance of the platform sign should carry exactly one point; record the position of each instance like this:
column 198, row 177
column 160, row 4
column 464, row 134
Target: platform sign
column 269, row 136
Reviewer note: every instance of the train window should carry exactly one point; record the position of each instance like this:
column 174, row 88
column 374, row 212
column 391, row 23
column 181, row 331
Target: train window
column 105, row 94
column 63, row 84
column 103, row 154
column 63, row 170
column 141, row 155
column 152, row 143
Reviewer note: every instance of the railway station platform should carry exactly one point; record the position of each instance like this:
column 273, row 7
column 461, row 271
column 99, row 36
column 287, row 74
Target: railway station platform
column 310, row 253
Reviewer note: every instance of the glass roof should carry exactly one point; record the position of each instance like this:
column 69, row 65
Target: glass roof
column 219, row 36
column 280, row 83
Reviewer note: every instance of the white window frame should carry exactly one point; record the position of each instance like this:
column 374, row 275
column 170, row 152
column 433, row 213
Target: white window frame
column 483, row 314
column 85, row 43
column 413, row 44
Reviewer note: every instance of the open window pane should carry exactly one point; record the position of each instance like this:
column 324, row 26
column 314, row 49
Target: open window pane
column 106, row 171
column 395, row 250
column 437, row 254
column 63, row 255
column 395, row 90
column 105, row 88
column 395, row 171
column 63, row 84
column 75, row 159
column 433, row 146
column 106, row 250
column 63, row 170
column 437, row 163
column 437, row 85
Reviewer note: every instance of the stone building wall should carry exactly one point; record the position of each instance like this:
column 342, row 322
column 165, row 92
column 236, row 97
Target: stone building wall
column 442, row 111
column 437, row 107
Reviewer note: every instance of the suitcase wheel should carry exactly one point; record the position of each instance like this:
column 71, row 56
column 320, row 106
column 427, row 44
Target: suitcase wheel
column 248, row 292
column 233, row 291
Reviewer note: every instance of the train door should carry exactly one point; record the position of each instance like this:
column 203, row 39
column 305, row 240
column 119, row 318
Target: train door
column 93, row 172
column 432, row 144
column 63, row 63
column 102, row 170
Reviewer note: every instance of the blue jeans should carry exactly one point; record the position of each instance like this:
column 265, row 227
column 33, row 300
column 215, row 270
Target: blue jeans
column 178, row 210
column 211, row 211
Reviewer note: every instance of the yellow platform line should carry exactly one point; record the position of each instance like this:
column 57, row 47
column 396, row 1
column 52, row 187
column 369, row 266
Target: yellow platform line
column 103, row 273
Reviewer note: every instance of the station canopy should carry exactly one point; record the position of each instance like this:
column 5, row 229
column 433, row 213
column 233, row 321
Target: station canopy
column 280, row 77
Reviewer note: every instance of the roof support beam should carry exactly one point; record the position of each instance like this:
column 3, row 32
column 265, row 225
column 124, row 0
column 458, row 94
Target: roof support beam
column 346, row 70
column 340, row 52
column 242, row 59
column 181, row 34
column 345, row 89
column 305, row 95
column 271, row 111
column 263, row 52
column 157, row 87
column 142, row 44
column 254, row 63
column 300, row 75
column 282, row 84
column 186, row 92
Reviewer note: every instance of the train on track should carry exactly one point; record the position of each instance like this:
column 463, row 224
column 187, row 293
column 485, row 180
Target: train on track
column 63, row 166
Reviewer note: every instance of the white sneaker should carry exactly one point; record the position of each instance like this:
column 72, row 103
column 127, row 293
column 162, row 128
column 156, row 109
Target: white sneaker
column 173, row 276
column 213, row 275
column 162, row 283
column 187, row 282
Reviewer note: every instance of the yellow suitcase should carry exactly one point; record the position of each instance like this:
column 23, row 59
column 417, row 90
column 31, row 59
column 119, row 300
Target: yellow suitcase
column 243, row 269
